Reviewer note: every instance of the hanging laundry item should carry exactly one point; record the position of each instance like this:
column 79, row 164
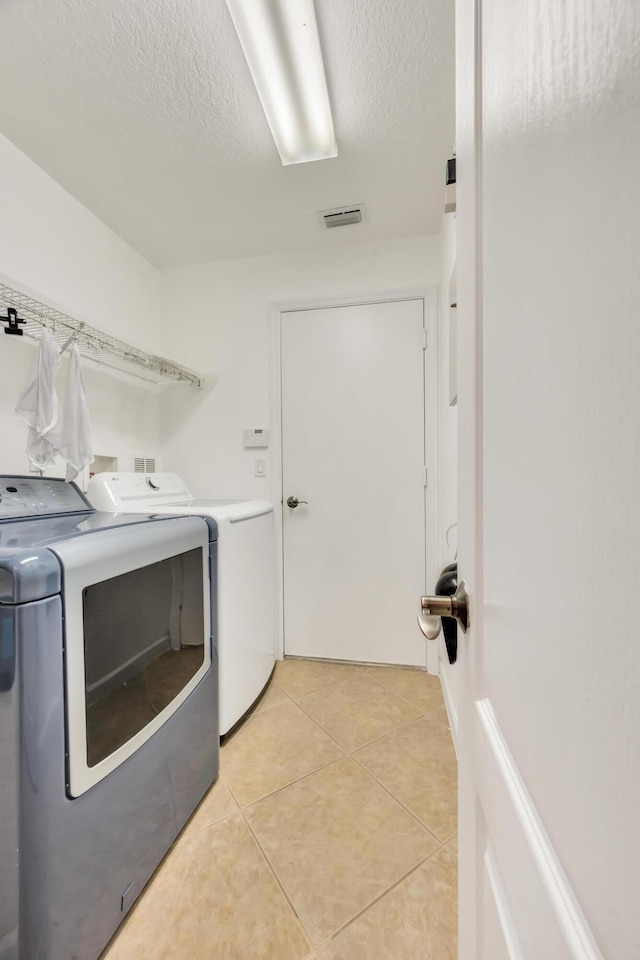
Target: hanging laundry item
column 39, row 407
column 76, row 432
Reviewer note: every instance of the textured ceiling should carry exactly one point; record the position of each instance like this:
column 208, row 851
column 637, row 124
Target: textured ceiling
column 145, row 111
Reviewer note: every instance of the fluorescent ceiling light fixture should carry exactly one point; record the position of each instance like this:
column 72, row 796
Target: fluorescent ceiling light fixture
column 280, row 41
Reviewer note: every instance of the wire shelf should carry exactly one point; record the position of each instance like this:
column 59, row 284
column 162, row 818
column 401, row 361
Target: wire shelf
column 95, row 345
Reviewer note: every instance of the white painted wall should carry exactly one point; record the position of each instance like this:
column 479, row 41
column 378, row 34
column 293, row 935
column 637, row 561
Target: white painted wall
column 216, row 319
column 124, row 416
column 447, row 446
column 54, row 248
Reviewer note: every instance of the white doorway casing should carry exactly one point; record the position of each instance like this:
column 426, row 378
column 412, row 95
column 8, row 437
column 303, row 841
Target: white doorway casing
column 429, row 299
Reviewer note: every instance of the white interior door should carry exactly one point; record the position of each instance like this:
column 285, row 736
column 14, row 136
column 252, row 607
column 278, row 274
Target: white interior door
column 353, row 446
column 549, row 404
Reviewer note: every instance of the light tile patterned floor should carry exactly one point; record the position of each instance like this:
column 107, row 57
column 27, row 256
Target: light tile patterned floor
column 330, row 834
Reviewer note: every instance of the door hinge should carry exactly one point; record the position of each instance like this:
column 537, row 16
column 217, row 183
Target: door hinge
column 426, row 476
column 424, row 338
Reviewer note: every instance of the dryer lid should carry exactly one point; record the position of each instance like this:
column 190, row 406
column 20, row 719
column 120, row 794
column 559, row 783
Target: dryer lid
column 163, row 491
column 232, row 510
column 110, row 491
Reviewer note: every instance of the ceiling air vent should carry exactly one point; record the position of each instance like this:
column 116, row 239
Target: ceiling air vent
column 144, row 464
column 341, row 216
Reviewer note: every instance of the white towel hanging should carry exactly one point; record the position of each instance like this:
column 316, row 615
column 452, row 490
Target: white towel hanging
column 76, row 434
column 39, row 407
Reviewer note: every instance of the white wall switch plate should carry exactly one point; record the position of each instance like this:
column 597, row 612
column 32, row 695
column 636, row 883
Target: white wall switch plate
column 261, row 467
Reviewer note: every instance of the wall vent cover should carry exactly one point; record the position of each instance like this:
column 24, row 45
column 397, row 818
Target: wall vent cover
column 144, row 464
column 341, row 216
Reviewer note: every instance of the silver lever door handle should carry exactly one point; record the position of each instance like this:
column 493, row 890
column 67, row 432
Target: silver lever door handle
column 293, row 502
column 456, row 606
column 430, row 626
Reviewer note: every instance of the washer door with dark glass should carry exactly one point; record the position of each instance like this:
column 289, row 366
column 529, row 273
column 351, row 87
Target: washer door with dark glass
column 137, row 637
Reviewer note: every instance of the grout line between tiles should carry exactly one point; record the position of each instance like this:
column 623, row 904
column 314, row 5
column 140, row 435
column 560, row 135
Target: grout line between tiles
column 397, row 800
column 186, row 834
column 375, row 739
column 417, row 670
column 258, row 709
column 278, row 881
column 381, row 896
column 368, row 742
column 253, row 717
column 395, row 883
column 297, row 780
column 330, row 683
column 385, row 687
column 230, row 789
column 254, row 712
column 323, row 686
column 320, row 727
column 188, row 831
column 346, row 750
column 425, row 712
column 440, row 845
column 400, row 727
column 351, row 753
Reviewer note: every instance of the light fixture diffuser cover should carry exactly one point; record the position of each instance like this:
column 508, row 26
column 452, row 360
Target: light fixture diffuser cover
column 280, row 41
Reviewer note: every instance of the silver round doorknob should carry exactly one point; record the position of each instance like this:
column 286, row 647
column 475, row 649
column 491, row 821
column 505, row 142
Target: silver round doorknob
column 456, row 607
column 293, row 502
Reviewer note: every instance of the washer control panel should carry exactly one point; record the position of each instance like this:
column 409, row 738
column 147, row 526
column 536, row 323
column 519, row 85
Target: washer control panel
column 38, row 497
column 108, row 491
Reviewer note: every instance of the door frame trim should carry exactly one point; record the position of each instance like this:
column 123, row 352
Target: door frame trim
column 429, row 295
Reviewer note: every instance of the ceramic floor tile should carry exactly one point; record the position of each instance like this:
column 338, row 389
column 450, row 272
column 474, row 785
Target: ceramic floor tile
column 417, row 920
column 357, row 710
column 272, row 749
column 214, row 898
column 418, row 687
column 216, row 805
column 299, row 677
column 336, row 841
column 417, row 764
column 272, row 696
column 453, row 843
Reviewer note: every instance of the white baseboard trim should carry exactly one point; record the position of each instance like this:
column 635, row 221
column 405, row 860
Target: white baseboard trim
column 451, row 707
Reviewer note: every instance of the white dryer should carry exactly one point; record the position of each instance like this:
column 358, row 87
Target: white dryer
column 246, row 579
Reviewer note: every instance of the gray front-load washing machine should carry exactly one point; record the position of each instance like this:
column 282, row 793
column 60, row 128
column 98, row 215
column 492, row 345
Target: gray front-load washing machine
column 108, row 709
